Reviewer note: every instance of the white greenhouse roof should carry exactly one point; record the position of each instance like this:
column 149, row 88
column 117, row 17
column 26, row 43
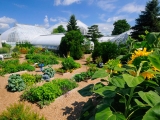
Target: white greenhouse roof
column 106, row 38
column 122, row 37
column 48, row 41
column 21, row 32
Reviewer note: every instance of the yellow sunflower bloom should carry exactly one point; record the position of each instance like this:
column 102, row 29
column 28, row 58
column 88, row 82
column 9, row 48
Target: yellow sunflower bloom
column 138, row 53
column 147, row 75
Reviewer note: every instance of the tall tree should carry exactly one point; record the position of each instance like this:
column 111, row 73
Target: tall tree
column 72, row 43
column 59, row 29
column 120, row 26
column 148, row 20
column 72, row 24
column 93, row 33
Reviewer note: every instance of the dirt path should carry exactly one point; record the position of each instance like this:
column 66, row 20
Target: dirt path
column 66, row 107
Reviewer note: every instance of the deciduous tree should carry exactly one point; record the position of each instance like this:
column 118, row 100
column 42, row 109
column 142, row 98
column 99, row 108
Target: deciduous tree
column 120, row 26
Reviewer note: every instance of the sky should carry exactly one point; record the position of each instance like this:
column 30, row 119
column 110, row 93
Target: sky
column 47, row 13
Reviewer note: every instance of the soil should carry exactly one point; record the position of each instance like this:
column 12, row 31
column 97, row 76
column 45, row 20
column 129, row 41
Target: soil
column 66, row 107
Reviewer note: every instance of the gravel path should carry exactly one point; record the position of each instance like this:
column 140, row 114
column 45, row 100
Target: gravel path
column 66, row 107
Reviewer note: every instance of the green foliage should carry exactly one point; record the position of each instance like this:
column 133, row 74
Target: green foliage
column 13, row 65
column 30, row 79
column 83, row 76
column 59, row 29
column 49, row 71
column 6, row 45
column 15, row 83
column 72, row 43
column 69, row 63
column 24, row 44
column 147, row 20
column 127, row 96
column 120, row 26
column 19, row 111
column 93, row 33
column 72, row 24
column 47, row 59
column 4, row 50
column 15, row 55
column 105, row 50
column 48, row 92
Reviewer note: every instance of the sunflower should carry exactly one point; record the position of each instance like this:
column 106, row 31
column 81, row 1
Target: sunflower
column 147, row 75
column 137, row 57
column 138, row 53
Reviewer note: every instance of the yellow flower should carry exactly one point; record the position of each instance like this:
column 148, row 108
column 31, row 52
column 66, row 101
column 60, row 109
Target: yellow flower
column 155, row 69
column 138, row 53
column 147, row 75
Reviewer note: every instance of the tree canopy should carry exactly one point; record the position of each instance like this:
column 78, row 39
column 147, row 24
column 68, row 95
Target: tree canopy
column 59, row 29
column 93, row 33
column 71, row 43
column 72, row 24
column 120, row 26
column 148, row 20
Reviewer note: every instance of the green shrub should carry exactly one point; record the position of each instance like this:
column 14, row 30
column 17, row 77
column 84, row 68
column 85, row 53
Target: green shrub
column 49, row 71
column 15, row 55
column 83, row 76
column 4, row 50
column 107, row 50
column 19, row 111
column 38, row 58
column 28, row 79
column 48, row 92
column 69, row 63
column 15, row 83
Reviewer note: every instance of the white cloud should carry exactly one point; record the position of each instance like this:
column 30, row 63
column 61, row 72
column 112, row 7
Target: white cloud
column 90, row 2
column 120, row 17
column 53, row 20
column 132, row 8
column 105, row 28
column 102, row 17
column 65, row 2
column 8, row 20
column 4, row 26
column 46, row 22
column 84, row 16
column 68, row 12
column 106, row 4
column 19, row 5
column 58, row 19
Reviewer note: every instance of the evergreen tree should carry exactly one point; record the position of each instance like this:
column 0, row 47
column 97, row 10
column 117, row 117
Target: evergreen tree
column 93, row 33
column 72, row 43
column 72, row 24
column 148, row 20
column 120, row 26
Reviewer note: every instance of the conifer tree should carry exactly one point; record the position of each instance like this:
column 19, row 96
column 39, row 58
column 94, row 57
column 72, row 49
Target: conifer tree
column 72, row 24
column 93, row 33
column 148, row 20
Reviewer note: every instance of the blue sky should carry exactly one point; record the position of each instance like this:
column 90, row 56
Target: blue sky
column 49, row 12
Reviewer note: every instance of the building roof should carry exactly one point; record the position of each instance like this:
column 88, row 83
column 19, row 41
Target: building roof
column 21, row 32
column 50, row 41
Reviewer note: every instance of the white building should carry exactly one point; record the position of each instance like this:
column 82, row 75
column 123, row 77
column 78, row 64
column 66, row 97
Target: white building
column 40, row 36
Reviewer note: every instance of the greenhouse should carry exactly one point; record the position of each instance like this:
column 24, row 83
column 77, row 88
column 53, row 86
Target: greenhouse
column 122, row 38
column 21, row 32
column 48, row 41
